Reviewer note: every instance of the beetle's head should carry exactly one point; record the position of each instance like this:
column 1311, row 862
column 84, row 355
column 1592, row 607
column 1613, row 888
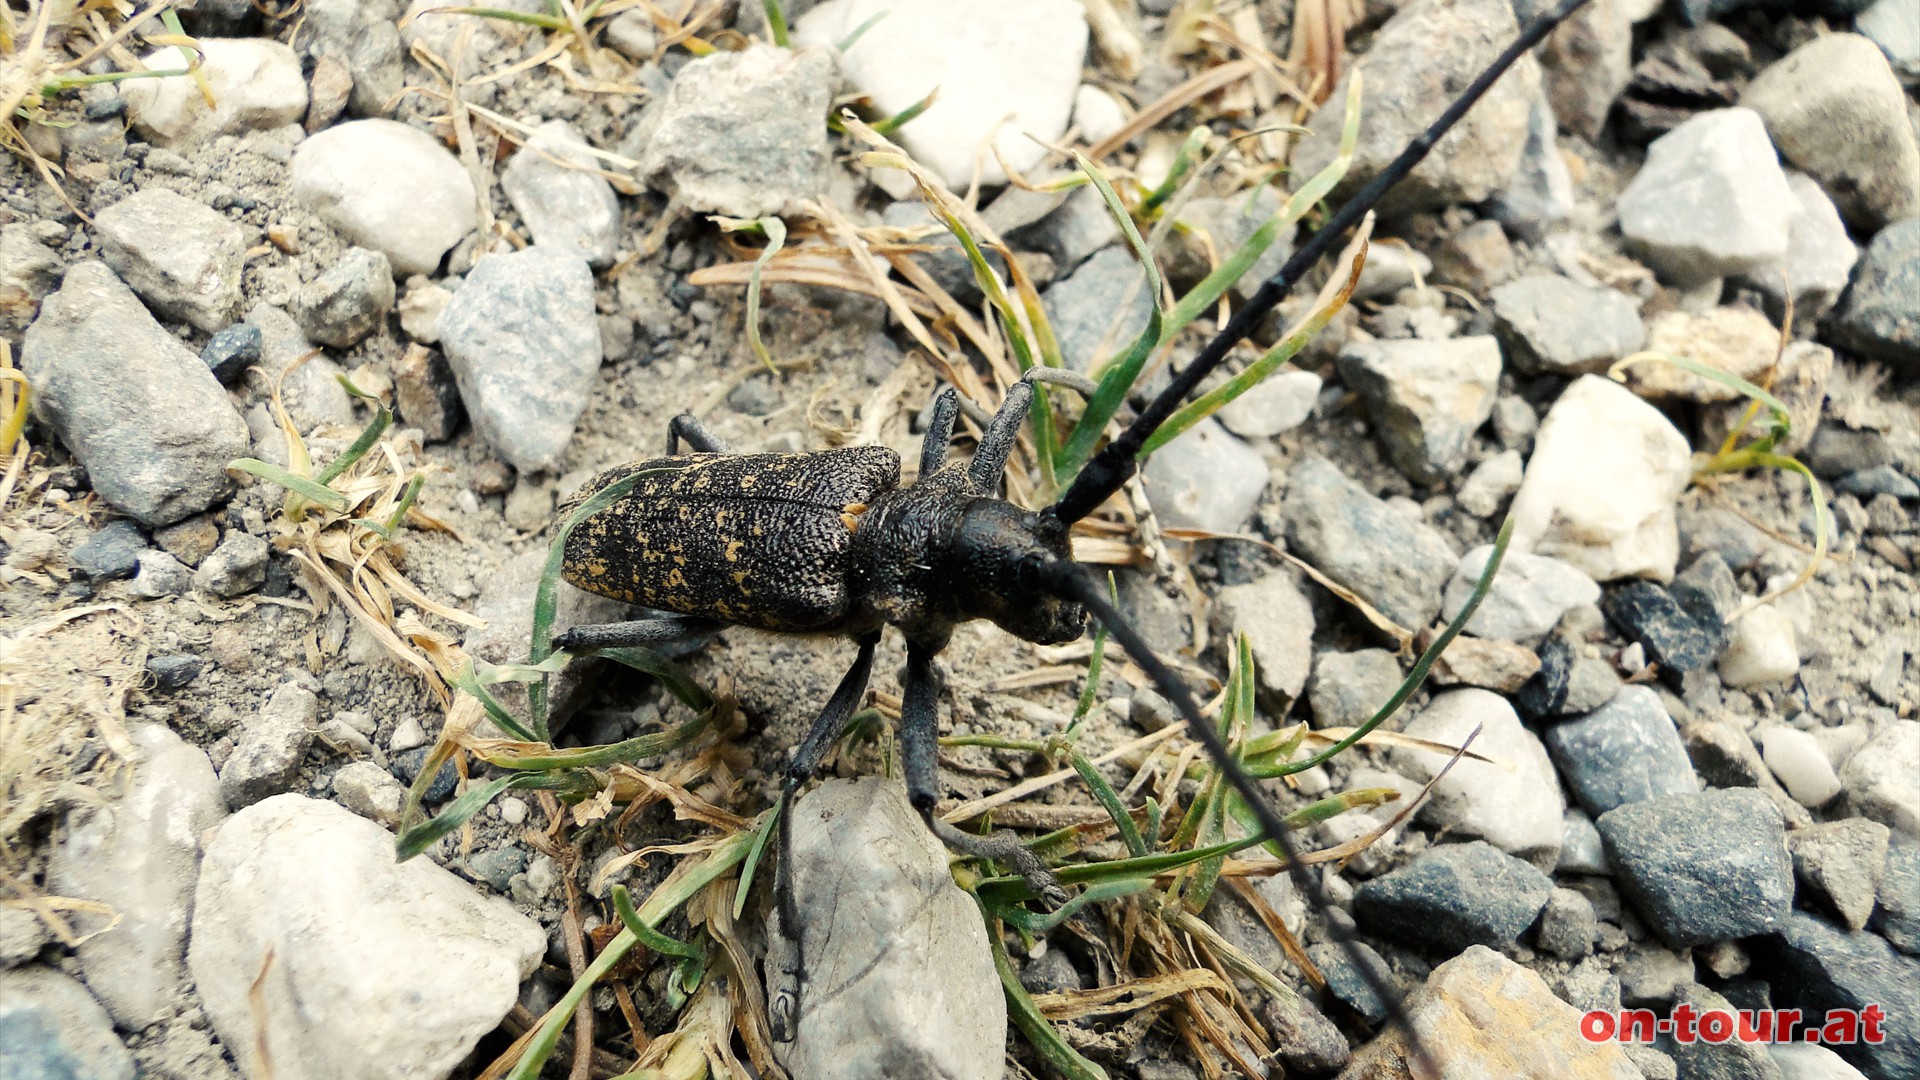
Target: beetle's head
column 1005, row 558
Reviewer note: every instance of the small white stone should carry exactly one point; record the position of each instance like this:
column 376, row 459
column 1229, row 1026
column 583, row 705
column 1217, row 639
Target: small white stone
column 1512, row 801
column 1882, row 778
column 1206, row 479
column 1491, row 483
column 256, row 84
column 1278, row 404
column 1761, row 651
column 1600, row 491
column 407, row 734
column 1528, row 596
column 1797, row 759
column 388, row 187
column 1803, row 1061
column 370, row 791
column 512, row 811
column 1097, row 114
column 1005, row 69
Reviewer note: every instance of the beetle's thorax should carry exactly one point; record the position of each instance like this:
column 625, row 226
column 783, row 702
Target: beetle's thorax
column 942, row 552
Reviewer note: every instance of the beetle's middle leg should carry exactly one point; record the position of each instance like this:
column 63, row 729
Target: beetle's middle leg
column 919, row 752
column 645, row 633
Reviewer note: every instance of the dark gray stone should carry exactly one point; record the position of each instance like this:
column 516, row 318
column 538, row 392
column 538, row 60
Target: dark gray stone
column 1550, row 324
column 238, row 565
column 1545, row 693
column 497, row 867
column 1816, row 967
column 230, row 352
column 1732, row 1059
column 1346, row 689
column 348, row 300
column 1836, row 451
column 1567, row 925
column 1705, row 867
column 111, row 552
column 1673, row 638
column 1880, row 317
column 407, row 765
column 1706, row 591
column 1083, row 305
column 1453, row 896
column 1624, row 752
column 1345, row 981
column 173, row 671
column 1397, row 565
column 1880, row 480
column 425, row 395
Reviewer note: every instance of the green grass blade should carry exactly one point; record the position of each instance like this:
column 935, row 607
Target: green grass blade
column 676, row 681
column 369, row 435
column 776, row 23
column 415, row 840
column 1183, row 162
column 860, row 31
column 465, row 679
column 1110, row 800
column 889, row 125
column 760, row 838
column 651, row 938
column 776, row 231
column 303, row 486
column 544, row 22
column 1039, row 1031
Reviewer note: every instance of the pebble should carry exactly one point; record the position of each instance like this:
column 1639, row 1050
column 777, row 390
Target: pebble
column 1651, row 976
column 1391, row 266
column 521, row 339
column 1710, row 201
column 1535, row 1036
column 1278, row 404
column 1528, row 597
column 877, row 911
column 111, row 553
column 1427, row 398
column 1819, row 259
column 379, row 969
column 1347, row 688
column 22, row 936
column 1551, row 325
column 174, row 671
column 1650, row 616
column 1228, row 223
column 1897, row 917
column 190, row 541
column 1491, row 484
column 1880, row 779
column 138, row 854
column 1006, row 70
column 1476, row 258
column 425, row 394
column 498, row 867
column 1494, row 665
column 349, row 299
column 161, row 575
column 266, row 759
column 1610, row 514
column 370, row 791
column 1277, row 619
column 143, row 415
column 388, row 187
column 1567, row 925
column 311, row 385
column 1408, row 83
column 1396, row 564
column 1803, row 1061
column 1880, row 319
column 1453, row 896
column 1086, row 312
column 1345, row 981
column 1761, row 651
column 1842, row 863
column 52, row 1028
column 1097, row 114
column 1817, row 967
column 256, row 84
column 1702, row 867
column 1894, row 25
column 1512, row 801
column 1206, row 479
column 631, row 34
column 1835, row 108
column 231, row 351
column 1698, row 1057
column 1883, row 480
column 1737, row 340
column 181, row 257
column 1625, row 752
column 562, row 203
column 1801, row 765
column 1540, row 196
column 741, row 133
column 237, row 566
column 1581, row 849
column 407, row 767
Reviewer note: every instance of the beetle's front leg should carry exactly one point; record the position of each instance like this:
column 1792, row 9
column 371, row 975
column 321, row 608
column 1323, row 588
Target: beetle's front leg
column 641, row 633
column 697, row 435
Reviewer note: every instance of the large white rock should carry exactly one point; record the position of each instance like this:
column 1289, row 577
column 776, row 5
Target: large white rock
column 1514, row 805
column 899, row 978
column 1600, row 489
column 1710, row 201
column 312, row 944
column 139, row 855
column 388, row 187
column 1005, row 69
column 256, row 84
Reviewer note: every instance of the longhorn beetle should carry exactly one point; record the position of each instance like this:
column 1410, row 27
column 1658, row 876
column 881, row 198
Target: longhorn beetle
column 827, row 542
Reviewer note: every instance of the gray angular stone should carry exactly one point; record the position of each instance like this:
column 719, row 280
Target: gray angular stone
column 1710, row 201
column 742, row 133
column 1453, row 896
column 161, row 575
column 1080, row 226
column 525, row 351
column 1627, row 751
column 1514, row 805
column 1347, row 688
column 143, row 414
column 1540, row 195
column 1880, row 317
column 1278, row 620
column 1550, row 324
column 1408, row 83
column 1491, row 484
column 110, row 553
column 1581, row 850
column 309, row 383
column 231, row 351
column 1815, row 967
column 1567, row 925
column 1733, row 1059
column 237, row 566
column 1529, row 594
column 1881, row 781
column 1206, row 479
column 22, row 936
column 362, row 36
column 1427, row 398
column 562, row 203
column 380, row 970
column 266, row 760
column 1084, row 308
column 28, row 272
column 877, row 911
column 1897, row 916
column 1820, row 255
column 51, row 1028
column 1586, row 62
column 1702, row 867
column 349, row 299
column 1397, row 565
column 388, row 187
column 370, row 791
column 139, row 855
column 183, row 258
column 1841, row 863
column 1834, row 108
column 1277, row 404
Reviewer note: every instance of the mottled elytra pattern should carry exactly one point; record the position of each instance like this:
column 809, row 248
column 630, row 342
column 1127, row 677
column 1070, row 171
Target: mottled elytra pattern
column 758, row 540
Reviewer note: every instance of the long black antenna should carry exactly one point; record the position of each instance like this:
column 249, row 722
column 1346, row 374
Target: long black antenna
column 1114, row 463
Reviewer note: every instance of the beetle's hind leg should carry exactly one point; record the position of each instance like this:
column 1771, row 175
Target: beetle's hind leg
column 697, row 435
column 919, row 751
column 644, row 633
